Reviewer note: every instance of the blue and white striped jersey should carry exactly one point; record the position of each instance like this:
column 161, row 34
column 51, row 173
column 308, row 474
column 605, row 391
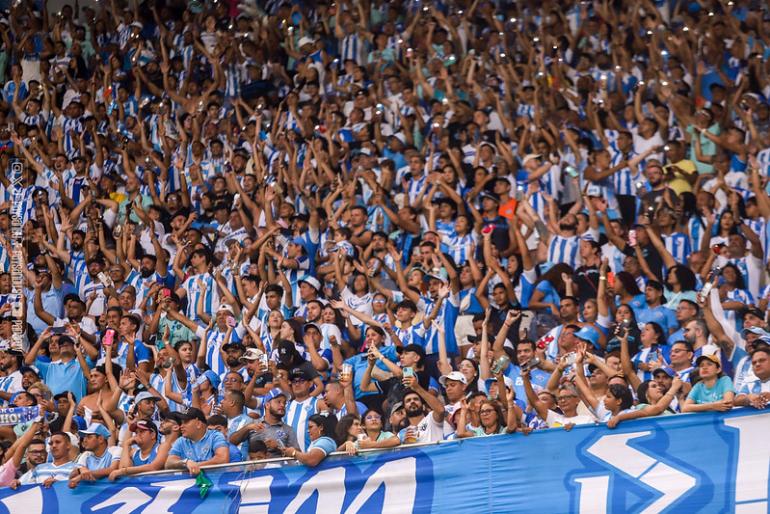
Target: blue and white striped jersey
column 565, row 249
column 678, row 245
column 297, row 414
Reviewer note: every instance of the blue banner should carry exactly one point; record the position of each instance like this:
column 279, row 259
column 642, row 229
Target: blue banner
column 16, row 415
column 686, row 463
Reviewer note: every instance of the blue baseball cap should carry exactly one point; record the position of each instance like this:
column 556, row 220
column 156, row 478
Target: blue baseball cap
column 96, row 428
column 273, row 394
column 588, row 334
column 209, row 375
column 668, row 370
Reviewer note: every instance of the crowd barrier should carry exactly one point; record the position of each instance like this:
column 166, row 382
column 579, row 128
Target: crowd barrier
column 690, row 463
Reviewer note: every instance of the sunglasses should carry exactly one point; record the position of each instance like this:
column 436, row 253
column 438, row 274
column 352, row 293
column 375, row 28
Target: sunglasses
column 486, row 411
column 373, row 417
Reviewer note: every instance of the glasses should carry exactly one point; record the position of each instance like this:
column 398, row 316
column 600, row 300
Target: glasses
column 486, row 411
column 232, row 380
column 373, row 417
column 298, row 380
column 39, row 452
column 378, row 301
column 566, row 397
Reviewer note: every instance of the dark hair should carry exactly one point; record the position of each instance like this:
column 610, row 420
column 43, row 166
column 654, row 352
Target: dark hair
column 739, row 282
column 64, row 435
column 326, row 424
column 274, row 288
column 687, row 345
column 641, row 391
column 498, row 408
column 623, row 394
column 553, row 276
column 684, row 276
column 216, row 420
column 257, row 446
column 629, row 282
column 659, row 332
column 343, row 426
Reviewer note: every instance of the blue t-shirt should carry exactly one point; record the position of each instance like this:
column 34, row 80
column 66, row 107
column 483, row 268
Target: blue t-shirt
column 661, row 315
column 235, row 453
column 537, row 376
column 91, row 461
column 61, row 377
column 550, row 295
column 702, row 394
column 199, row 451
column 359, row 363
column 138, row 460
column 325, row 444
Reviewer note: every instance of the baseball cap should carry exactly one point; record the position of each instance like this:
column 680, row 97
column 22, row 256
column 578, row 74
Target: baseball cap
column 273, row 394
column 231, row 346
column 143, row 424
column 490, row 195
column 193, row 413
column 454, row 375
column 252, row 354
column 438, row 274
column 506, row 380
column 311, row 281
column 396, row 406
column 310, row 325
column 211, row 376
column 416, row 348
column 756, row 331
column 225, row 308
column 96, row 428
column 713, row 357
column 588, row 334
column 756, row 312
column 665, row 369
column 299, row 373
column 146, row 395
column 530, row 157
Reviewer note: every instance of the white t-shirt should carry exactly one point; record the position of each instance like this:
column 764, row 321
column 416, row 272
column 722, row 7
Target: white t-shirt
column 431, row 431
column 555, row 419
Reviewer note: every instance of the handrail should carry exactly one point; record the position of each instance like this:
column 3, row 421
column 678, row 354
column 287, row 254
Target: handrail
column 292, row 462
column 289, row 461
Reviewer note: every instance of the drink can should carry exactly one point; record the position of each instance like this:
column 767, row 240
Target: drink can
column 500, row 364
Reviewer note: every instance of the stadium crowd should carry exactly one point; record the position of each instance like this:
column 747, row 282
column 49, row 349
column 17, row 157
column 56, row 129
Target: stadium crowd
column 284, row 229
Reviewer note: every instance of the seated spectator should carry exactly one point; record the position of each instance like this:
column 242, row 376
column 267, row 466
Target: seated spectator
column 652, row 402
column 321, row 444
column 59, row 469
column 567, row 400
column 276, row 434
column 141, row 452
column 491, row 417
column 218, row 423
column 714, row 390
column 198, row 445
column 99, row 457
column 26, row 446
column 757, row 392
column 425, row 415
